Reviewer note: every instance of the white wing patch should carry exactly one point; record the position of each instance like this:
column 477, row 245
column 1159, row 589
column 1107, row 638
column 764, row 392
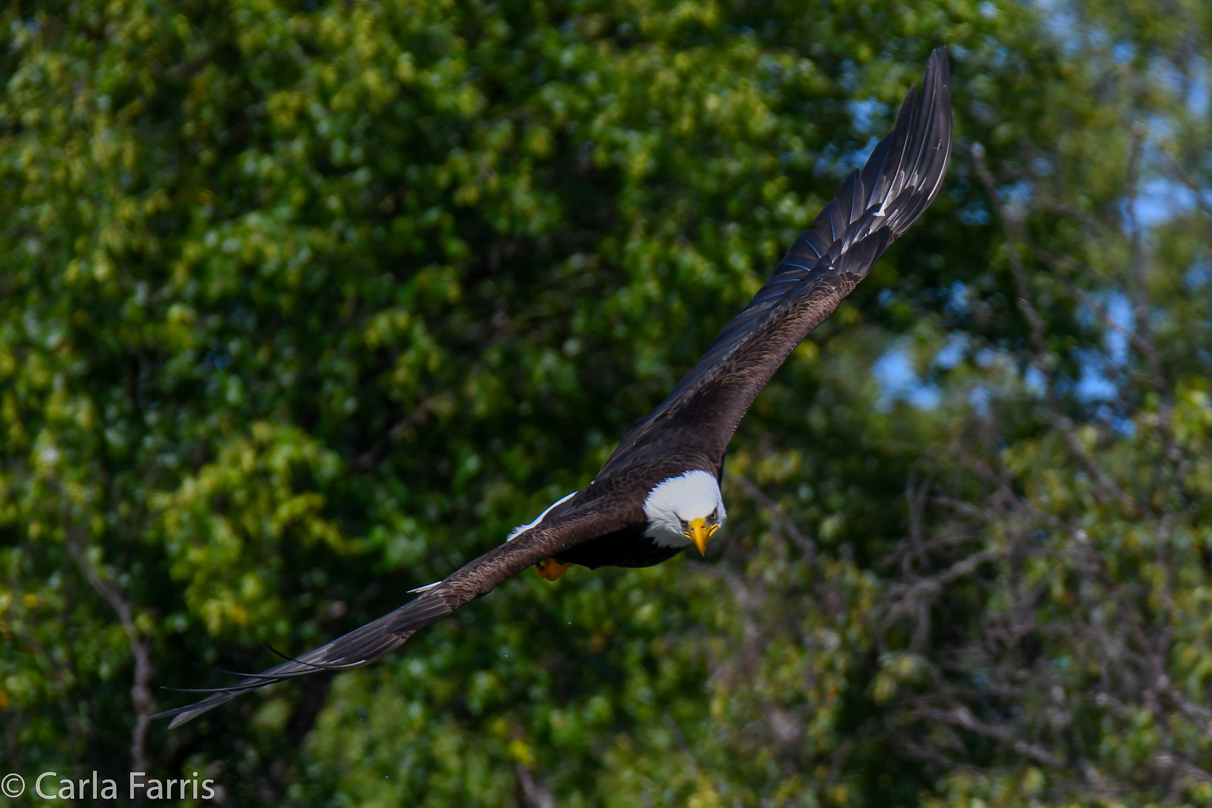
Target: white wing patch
column 520, row 529
column 421, row 589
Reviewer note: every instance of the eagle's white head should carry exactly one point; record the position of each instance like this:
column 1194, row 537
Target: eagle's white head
column 685, row 509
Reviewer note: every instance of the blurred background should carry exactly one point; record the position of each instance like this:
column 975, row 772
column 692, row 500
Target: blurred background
column 304, row 304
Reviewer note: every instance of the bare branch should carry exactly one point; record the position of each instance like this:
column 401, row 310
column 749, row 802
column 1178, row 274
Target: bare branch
column 761, row 498
column 961, row 717
column 1104, row 489
column 141, row 692
column 414, row 419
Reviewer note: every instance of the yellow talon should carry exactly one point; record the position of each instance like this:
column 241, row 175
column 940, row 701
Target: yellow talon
column 551, row 569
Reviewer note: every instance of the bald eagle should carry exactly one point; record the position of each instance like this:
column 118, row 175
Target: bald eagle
column 659, row 491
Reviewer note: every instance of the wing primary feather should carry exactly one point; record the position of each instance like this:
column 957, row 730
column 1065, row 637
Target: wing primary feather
column 873, row 171
column 793, row 265
column 813, row 241
column 896, row 176
column 319, row 666
column 352, row 650
column 848, row 197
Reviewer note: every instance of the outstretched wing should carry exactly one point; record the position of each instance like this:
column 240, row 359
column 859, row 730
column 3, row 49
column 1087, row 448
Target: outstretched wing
column 873, row 207
column 577, row 522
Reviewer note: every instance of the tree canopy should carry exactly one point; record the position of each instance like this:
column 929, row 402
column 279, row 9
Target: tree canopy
column 304, row 304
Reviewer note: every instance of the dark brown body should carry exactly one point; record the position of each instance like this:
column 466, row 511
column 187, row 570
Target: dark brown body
column 628, row 547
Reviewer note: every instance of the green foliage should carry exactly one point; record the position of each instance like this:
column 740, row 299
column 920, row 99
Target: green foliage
column 305, row 304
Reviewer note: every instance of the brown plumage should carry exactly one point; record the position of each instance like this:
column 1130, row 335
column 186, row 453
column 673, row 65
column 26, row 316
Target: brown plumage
column 605, row 523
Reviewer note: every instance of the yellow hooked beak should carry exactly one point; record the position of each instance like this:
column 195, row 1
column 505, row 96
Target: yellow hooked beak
column 700, row 532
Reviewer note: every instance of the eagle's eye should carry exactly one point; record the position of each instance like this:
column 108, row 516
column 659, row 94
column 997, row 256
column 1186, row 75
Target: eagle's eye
column 685, row 526
column 713, row 515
